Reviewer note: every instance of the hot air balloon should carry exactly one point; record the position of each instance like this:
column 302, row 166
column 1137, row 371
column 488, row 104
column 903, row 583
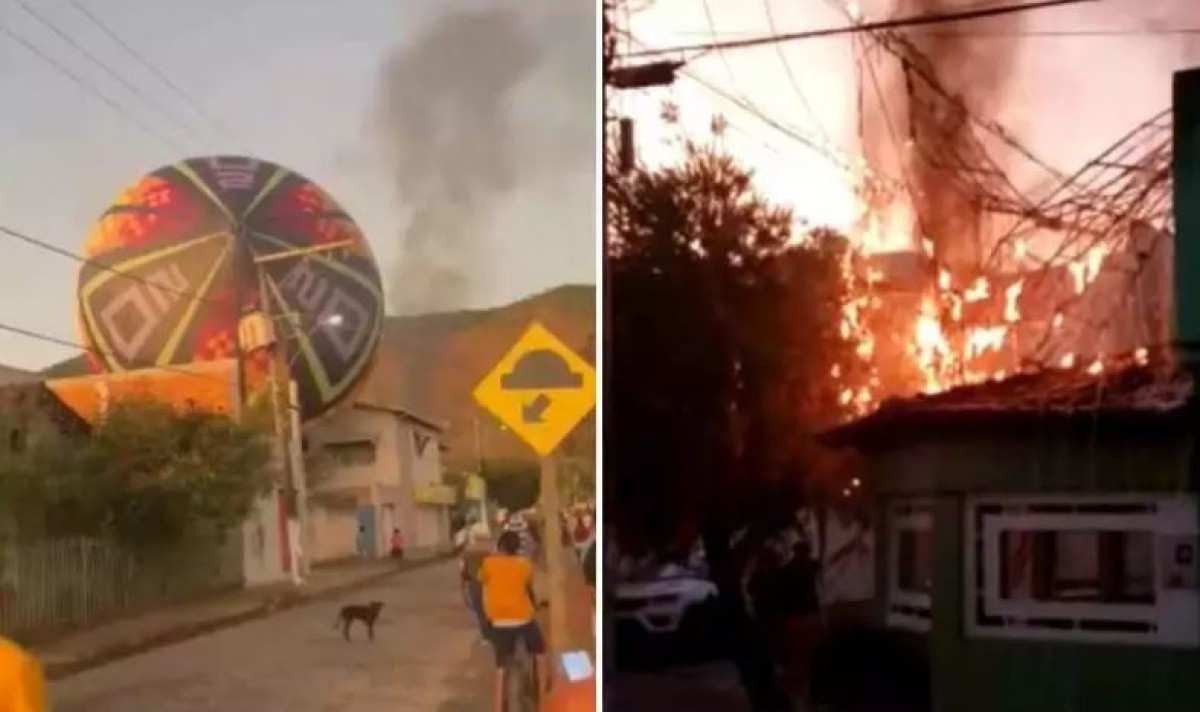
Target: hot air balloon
column 200, row 251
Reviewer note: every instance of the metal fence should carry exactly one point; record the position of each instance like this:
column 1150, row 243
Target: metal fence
column 65, row 583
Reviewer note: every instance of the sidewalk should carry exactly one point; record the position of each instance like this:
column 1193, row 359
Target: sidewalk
column 85, row 649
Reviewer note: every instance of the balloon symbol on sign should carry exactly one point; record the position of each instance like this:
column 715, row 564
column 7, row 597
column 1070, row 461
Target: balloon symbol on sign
column 541, row 369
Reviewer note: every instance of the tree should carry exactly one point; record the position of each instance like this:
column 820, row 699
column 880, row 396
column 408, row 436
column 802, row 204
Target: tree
column 724, row 328
column 512, row 483
column 146, row 477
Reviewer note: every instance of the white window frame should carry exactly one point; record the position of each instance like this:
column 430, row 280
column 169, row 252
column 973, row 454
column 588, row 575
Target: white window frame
column 900, row 603
column 1173, row 618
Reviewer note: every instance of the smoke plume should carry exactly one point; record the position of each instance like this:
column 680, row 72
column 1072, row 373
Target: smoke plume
column 975, row 68
column 480, row 116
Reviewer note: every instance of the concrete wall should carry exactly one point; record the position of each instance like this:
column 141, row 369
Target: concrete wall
column 989, row 674
column 263, row 543
column 430, row 532
column 388, row 485
column 332, row 531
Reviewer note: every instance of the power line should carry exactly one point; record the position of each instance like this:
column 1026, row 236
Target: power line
column 162, row 76
column 30, row 240
column 1064, row 33
column 758, row 113
column 29, row 333
column 129, row 86
column 911, row 21
column 1184, row 31
column 83, row 84
column 787, row 68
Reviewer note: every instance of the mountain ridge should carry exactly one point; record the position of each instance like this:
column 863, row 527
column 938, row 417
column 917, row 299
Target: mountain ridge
column 430, row 364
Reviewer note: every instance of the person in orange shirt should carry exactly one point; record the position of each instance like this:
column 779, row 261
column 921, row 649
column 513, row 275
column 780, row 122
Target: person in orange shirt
column 509, row 605
column 22, row 687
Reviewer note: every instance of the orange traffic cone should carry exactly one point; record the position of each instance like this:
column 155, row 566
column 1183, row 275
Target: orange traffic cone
column 571, row 696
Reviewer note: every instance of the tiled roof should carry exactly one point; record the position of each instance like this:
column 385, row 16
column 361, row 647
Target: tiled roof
column 1140, row 392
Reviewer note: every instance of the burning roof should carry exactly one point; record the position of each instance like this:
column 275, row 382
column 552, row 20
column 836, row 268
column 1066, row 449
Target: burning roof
column 1137, row 392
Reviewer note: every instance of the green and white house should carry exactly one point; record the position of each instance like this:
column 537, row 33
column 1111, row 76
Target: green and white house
column 1038, row 535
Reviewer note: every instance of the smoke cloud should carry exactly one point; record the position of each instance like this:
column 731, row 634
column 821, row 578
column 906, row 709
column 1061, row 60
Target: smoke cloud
column 979, row 69
column 485, row 115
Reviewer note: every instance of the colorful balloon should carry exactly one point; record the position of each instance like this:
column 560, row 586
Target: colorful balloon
column 190, row 251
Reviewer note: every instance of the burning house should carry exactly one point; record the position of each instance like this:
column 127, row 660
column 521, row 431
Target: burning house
column 1039, row 525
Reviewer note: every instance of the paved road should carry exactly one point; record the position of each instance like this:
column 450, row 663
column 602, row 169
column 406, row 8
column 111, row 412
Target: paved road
column 424, row 658
column 701, row 688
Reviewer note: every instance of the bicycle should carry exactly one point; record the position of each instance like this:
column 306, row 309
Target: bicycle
column 521, row 690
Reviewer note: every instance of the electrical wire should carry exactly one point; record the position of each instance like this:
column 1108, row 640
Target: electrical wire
column 787, row 68
column 105, row 67
column 1129, row 32
column 93, row 91
column 30, row 240
column 141, row 59
column 36, row 335
column 915, row 20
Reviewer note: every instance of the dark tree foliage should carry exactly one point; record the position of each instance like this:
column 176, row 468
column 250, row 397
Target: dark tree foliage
column 724, row 328
column 512, row 483
column 145, row 477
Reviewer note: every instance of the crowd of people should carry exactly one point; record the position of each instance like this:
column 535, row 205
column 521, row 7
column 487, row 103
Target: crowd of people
column 497, row 584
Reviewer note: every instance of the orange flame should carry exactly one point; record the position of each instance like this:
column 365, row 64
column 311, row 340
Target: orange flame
column 1012, row 311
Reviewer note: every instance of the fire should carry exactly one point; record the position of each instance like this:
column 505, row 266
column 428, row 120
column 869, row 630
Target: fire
column 865, row 348
column 982, row 339
column 951, row 328
column 956, row 306
column 1012, row 311
column 1142, row 356
column 1086, row 269
column 932, row 349
column 978, row 291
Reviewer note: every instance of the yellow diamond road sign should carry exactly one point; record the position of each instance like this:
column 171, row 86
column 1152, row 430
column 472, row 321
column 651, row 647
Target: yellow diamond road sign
column 540, row 388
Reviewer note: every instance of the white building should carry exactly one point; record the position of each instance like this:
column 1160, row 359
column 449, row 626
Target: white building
column 373, row 469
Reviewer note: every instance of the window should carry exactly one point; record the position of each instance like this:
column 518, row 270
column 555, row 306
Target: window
column 356, row 453
column 1092, row 566
column 910, row 564
column 1099, row 568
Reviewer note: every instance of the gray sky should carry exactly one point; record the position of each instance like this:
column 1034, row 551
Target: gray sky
column 298, row 82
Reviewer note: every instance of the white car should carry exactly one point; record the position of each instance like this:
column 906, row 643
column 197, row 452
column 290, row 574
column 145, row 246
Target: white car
column 659, row 604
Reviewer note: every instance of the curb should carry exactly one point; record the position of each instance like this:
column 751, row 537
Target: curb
column 179, row 634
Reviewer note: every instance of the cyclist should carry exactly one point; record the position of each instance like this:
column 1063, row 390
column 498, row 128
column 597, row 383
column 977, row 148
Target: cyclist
column 509, row 605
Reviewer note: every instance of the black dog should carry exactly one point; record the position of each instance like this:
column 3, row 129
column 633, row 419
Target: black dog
column 368, row 614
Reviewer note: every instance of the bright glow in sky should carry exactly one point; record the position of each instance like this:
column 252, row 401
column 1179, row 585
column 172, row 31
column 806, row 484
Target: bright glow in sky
column 1068, row 97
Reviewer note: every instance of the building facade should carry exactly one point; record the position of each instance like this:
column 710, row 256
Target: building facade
column 1038, row 540
column 375, row 469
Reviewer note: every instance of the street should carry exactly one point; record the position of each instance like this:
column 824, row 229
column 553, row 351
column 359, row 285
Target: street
column 712, row 687
column 424, row 657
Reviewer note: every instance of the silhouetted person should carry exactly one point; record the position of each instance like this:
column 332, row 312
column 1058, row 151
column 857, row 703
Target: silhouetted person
column 397, row 545
column 743, row 640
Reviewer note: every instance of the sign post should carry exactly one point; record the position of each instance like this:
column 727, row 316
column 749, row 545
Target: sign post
column 541, row 390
